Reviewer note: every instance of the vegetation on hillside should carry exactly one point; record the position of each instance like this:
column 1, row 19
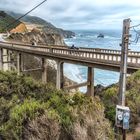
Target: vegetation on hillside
column 33, row 110
column 109, row 97
column 31, row 19
column 7, row 20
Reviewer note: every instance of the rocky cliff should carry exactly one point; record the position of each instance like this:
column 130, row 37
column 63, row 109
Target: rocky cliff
column 40, row 37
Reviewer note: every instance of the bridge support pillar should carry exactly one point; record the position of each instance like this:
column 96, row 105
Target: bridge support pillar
column 44, row 70
column 90, row 86
column 59, row 76
column 19, row 63
column 9, row 59
column 5, row 59
column 1, row 59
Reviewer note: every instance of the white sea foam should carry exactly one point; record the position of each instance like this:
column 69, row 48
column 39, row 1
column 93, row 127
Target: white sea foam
column 72, row 72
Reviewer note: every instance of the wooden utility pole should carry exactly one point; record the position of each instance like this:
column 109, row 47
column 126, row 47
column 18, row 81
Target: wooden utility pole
column 123, row 67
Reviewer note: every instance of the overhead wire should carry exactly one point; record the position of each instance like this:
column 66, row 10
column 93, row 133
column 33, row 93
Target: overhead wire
column 137, row 34
column 135, row 26
column 9, row 25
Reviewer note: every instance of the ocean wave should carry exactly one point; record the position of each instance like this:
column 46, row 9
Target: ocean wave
column 73, row 73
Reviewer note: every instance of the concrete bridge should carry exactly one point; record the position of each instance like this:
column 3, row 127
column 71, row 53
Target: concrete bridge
column 91, row 57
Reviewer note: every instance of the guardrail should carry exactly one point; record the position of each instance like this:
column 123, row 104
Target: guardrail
column 102, row 55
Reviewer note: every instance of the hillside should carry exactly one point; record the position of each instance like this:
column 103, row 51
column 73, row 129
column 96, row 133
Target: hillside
column 47, row 26
column 6, row 20
column 31, row 19
column 31, row 110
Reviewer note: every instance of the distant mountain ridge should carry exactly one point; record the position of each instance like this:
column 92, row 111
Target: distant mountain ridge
column 47, row 26
column 31, row 19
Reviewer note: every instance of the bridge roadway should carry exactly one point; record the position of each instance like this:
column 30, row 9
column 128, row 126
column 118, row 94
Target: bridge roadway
column 97, row 58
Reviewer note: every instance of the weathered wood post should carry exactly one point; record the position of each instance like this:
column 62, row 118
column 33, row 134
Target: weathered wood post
column 90, row 86
column 123, row 66
column 59, row 75
column 44, row 70
column 1, row 59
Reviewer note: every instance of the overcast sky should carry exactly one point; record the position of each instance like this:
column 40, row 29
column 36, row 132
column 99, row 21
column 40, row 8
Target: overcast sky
column 80, row 14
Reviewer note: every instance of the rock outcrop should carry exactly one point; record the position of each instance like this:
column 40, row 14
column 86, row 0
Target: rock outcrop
column 21, row 28
column 40, row 37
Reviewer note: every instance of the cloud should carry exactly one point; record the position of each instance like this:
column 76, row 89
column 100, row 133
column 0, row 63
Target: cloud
column 75, row 14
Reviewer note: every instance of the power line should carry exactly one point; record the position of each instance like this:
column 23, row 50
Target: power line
column 135, row 26
column 24, row 15
column 136, row 31
column 137, row 36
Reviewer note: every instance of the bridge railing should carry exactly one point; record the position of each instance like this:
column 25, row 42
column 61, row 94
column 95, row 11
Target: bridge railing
column 103, row 56
column 85, row 55
column 110, row 51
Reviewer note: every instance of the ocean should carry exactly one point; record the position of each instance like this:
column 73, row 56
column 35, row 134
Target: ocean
column 88, row 38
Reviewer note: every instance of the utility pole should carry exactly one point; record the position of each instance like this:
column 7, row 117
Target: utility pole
column 123, row 67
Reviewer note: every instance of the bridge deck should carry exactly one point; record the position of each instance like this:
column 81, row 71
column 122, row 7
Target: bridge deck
column 99, row 58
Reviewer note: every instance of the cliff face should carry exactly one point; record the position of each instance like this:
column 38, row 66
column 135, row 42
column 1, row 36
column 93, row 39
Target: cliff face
column 63, row 33
column 39, row 37
column 21, row 28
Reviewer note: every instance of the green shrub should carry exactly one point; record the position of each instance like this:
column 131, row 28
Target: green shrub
column 109, row 96
column 24, row 99
column 19, row 116
column 137, row 136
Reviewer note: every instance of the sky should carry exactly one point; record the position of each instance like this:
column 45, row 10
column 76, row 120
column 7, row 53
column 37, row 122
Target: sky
column 80, row 14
